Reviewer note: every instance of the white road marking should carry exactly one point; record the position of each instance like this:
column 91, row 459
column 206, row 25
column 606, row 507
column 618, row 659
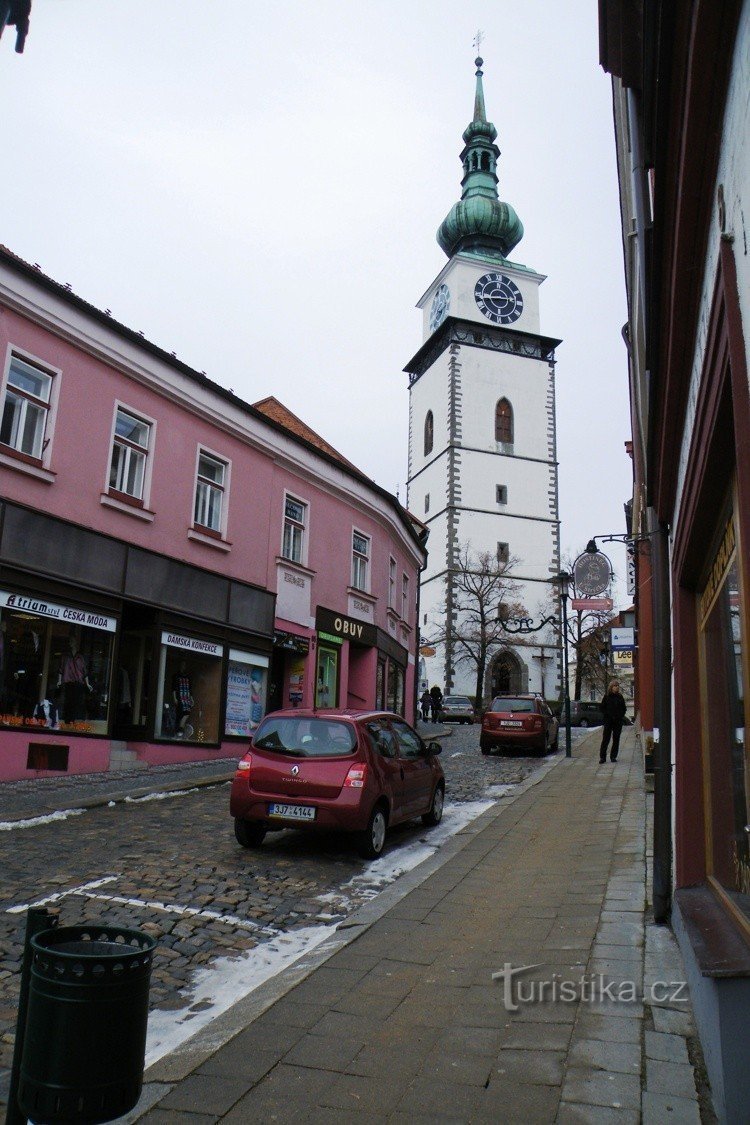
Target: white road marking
column 188, row 911
column 58, row 895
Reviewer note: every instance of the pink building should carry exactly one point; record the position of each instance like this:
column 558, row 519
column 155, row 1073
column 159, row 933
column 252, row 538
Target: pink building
column 174, row 561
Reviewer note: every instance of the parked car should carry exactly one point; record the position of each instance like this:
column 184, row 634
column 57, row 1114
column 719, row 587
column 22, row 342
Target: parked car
column 360, row 771
column 456, row 709
column 522, row 723
column 585, row 714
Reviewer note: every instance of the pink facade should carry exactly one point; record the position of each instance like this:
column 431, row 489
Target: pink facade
column 173, row 562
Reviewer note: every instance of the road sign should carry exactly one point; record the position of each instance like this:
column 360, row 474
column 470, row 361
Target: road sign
column 622, row 638
column 603, row 605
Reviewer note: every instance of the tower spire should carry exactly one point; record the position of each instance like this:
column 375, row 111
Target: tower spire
column 480, row 223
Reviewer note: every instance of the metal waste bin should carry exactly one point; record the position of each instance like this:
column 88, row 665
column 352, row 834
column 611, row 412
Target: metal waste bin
column 85, row 1037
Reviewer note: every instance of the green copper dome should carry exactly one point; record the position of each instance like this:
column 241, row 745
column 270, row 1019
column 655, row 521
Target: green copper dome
column 479, row 222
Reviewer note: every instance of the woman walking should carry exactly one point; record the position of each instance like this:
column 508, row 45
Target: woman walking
column 613, row 710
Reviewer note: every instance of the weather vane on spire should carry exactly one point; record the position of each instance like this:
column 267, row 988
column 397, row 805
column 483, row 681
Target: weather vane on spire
column 478, row 39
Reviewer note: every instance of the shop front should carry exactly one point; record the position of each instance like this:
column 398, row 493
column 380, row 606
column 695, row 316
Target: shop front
column 357, row 664
column 91, row 668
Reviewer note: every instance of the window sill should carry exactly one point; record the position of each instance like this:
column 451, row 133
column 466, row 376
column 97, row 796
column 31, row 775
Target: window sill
column 29, row 466
column 281, row 561
column 208, row 540
column 363, row 594
column 109, row 501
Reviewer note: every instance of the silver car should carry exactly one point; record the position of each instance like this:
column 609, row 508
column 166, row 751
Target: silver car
column 456, row 709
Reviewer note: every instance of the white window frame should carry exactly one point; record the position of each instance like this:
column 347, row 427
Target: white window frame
column 300, row 526
column 405, row 596
column 223, row 489
column 10, row 454
column 116, row 493
column 391, row 582
column 361, row 562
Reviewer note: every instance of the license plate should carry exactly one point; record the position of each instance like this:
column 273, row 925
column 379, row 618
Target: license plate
column 292, row 812
column 511, row 723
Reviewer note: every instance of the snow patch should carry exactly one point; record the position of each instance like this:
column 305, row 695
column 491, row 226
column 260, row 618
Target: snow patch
column 160, row 796
column 35, row 821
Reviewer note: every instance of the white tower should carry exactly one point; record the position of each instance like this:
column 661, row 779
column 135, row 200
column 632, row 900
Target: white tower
column 482, row 445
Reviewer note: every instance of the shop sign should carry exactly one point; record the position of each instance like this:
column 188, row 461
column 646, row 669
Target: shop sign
column 344, row 628
column 31, row 603
column 623, row 658
column 191, row 644
column 598, row 605
column 291, row 642
column 330, row 638
column 592, row 572
column 720, row 566
column 622, row 639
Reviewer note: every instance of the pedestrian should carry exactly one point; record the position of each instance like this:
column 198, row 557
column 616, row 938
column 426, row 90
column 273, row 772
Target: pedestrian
column 613, row 710
column 436, row 700
column 424, row 703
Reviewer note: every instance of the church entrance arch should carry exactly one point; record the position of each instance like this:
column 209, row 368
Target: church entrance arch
column 507, row 674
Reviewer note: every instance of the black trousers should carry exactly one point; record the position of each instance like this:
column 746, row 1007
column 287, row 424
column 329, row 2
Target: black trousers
column 612, row 729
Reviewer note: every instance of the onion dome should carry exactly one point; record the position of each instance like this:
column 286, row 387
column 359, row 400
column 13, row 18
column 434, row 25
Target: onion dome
column 480, row 222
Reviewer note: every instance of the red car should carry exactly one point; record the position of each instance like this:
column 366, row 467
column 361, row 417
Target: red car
column 523, row 723
column 360, row 771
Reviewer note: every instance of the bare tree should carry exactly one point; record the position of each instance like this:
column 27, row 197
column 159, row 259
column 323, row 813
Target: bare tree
column 482, row 589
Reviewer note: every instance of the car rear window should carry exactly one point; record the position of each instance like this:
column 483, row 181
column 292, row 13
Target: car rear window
column 305, row 737
column 457, row 700
column 512, row 705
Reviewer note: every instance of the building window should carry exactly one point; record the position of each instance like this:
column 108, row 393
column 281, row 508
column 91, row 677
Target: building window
column 503, row 552
column 391, row 583
column 405, row 596
column 209, row 492
column 26, row 408
column 360, row 560
column 130, row 442
column 427, row 502
column 501, row 494
column 295, row 519
column 504, row 422
column 429, row 433
column 189, row 689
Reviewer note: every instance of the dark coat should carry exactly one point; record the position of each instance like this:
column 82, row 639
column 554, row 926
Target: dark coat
column 613, row 707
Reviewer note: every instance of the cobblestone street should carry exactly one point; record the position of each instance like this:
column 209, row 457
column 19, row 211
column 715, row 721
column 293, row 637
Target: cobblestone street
column 172, row 867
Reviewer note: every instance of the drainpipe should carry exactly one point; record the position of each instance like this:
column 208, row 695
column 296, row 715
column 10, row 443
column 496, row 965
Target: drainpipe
column 662, row 879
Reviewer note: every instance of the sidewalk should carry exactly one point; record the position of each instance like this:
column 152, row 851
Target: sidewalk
column 400, row 1019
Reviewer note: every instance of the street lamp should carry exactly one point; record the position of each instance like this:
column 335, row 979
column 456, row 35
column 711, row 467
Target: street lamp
column 562, row 581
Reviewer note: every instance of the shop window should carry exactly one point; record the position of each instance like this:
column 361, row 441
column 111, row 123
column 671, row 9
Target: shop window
column 380, row 686
column 209, row 492
column 405, row 597
column 360, row 560
column 295, row 520
column 326, row 679
column 130, row 448
column 392, row 583
column 247, row 686
column 55, row 675
column 189, row 689
column 395, row 697
column 724, row 718
column 429, row 433
column 26, row 409
column 504, row 422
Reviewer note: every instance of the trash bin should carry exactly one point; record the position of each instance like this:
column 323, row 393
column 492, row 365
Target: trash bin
column 85, row 1037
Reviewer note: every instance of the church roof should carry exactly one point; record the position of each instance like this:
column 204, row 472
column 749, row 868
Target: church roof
column 480, row 222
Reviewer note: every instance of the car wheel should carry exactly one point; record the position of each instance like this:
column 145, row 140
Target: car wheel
column 371, row 841
column 484, row 747
column 249, row 833
column 435, row 815
column 556, row 744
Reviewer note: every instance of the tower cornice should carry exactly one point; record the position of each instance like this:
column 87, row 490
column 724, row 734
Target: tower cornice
column 470, row 333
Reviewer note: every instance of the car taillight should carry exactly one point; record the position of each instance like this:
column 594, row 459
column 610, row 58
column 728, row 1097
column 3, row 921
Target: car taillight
column 245, row 763
column 536, row 723
column 355, row 779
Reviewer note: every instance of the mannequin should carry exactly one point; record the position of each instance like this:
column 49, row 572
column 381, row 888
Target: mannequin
column 74, row 681
column 182, row 696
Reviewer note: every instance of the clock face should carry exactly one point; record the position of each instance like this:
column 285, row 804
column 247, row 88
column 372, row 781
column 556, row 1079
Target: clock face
column 498, row 298
column 441, row 302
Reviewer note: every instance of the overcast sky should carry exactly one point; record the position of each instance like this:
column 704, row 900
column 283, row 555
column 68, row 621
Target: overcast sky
column 257, row 188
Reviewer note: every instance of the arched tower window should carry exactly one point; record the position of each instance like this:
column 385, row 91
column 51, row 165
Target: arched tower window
column 485, row 162
column 504, row 422
column 429, row 433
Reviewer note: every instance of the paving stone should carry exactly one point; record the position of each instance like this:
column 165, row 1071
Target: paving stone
column 673, row 1022
column 610, row 1028
column 537, row 1068
column 440, row 1099
column 517, row 1101
column 658, row 1108
column 321, row 1053
column 205, row 1093
column 625, row 1058
column 572, row 1114
column 668, row 1048
column 670, row 1078
column 619, row 1091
